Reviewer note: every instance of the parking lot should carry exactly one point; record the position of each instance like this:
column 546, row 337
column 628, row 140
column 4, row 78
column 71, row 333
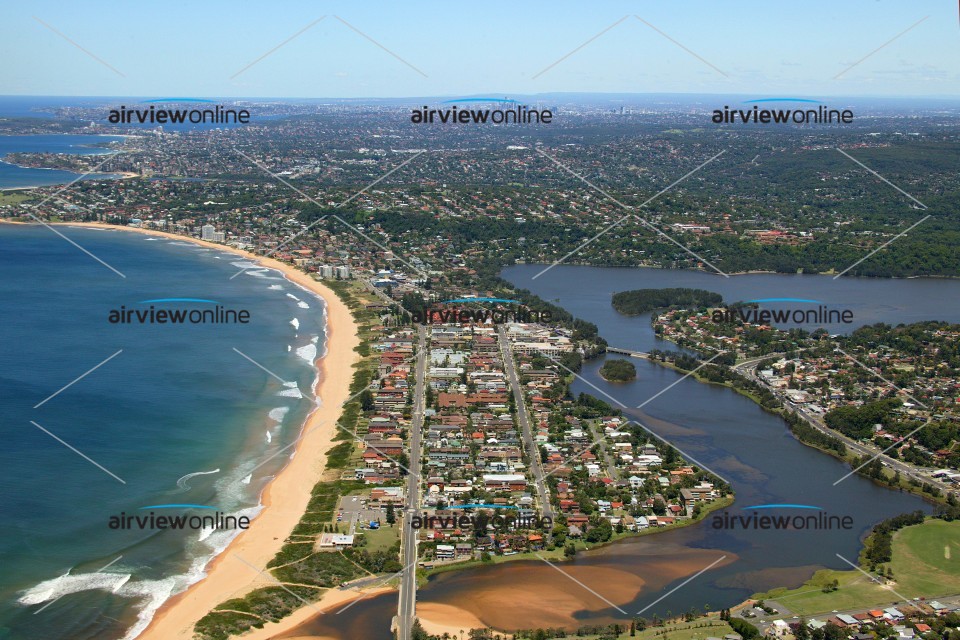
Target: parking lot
column 353, row 510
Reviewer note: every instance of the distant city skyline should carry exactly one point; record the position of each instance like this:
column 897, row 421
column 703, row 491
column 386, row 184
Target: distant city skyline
column 379, row 50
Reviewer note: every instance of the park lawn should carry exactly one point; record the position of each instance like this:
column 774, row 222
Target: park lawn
column 920, row 566
column 14, row 197
column 698, row 629
column 695, row 630
column 383, row 538
column 856, row 591
column 926, row 559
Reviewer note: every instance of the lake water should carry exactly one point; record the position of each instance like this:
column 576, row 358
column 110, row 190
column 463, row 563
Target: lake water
column 12, row 175
column 728, row 433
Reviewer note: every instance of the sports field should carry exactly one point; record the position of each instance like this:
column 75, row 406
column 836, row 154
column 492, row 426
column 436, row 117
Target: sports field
column 926, row 563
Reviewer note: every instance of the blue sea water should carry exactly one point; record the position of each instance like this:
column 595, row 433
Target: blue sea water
column 177, row 400
column 12, row 175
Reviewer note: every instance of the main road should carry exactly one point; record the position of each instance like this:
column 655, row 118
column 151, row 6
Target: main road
column 533, row 452
column 407, row 608
column 748, row 368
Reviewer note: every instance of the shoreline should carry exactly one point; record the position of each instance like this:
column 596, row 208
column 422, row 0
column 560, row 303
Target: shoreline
column 751, row 272
column 780, row 412
column 114, row 175
column 286, row 495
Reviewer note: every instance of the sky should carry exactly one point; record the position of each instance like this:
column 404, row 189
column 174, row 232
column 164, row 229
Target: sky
column 452, row 48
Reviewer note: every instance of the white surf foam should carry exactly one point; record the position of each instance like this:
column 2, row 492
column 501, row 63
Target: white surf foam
column 67, row 584
column 308, row 352
column 295, row 323
column 156, row 593
column 302, row 304
column 182, row 482
column 278, row 414
column 291, row 391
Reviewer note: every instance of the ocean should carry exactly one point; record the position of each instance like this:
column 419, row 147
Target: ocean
column 174, row 416
column 13, row 176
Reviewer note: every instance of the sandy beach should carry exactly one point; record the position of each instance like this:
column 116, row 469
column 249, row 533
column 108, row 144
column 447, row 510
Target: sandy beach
column 285, row 498
column 438, row 619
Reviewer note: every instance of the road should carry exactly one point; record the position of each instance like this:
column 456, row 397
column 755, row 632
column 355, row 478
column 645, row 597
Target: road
column 748, row 368
column 380, row 293
column 533, row 452
column 783, row 613
column 407, row 607
column 596, row 435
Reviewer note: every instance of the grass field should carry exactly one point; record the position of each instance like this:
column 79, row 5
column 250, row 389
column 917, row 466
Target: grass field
column 926, row 563
column 383, row 538
column 926, row 559
column 14, row 197
column 695, row 630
